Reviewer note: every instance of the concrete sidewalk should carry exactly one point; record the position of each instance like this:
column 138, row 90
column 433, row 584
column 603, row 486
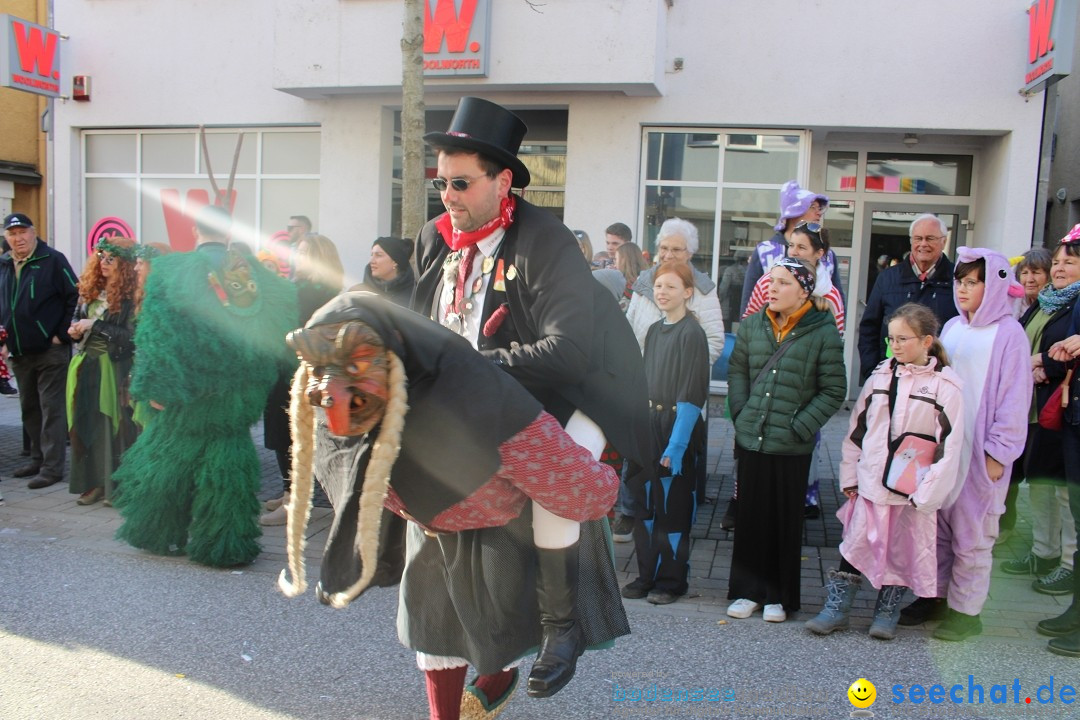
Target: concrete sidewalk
column 1010, row 615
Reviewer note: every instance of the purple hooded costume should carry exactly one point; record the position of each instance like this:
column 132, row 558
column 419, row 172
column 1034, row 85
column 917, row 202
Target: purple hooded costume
column 991, row 352
column 794, row 202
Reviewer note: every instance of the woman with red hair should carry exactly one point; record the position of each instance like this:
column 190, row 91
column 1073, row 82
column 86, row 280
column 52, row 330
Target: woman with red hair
column 99, row 415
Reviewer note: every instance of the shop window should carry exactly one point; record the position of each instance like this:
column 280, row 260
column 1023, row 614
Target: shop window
column 761, row 158
column 840, row 222
column 167, row 153
column 282, row 198
column 154, row 195
column 747, row 219
column 547, row 166
column 110, row 153
column 289, row 154
column 731, row 197
column 683, row 156
column 110, row 197
column 841, row 171
column 283, row 147
column 918, row 174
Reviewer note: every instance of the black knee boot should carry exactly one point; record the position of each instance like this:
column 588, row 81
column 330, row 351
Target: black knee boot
column 562, row 641
column 1065, row 628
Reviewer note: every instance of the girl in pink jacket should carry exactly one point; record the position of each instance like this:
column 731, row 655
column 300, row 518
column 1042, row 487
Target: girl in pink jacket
column 900, row 462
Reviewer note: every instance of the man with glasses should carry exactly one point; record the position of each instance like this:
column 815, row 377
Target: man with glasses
column 298, row 227
column 508, row 277
column 924, row 277
column 38, row 295
column 284, row 250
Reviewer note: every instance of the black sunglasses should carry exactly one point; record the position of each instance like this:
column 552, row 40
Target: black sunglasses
column 811, row 226
column 459, row 183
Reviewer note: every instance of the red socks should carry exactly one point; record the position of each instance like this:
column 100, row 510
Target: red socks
column 444, row 688
column 493, row 686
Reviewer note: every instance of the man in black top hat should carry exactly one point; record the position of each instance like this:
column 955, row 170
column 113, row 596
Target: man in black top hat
column 38, row 295
column 509, row 277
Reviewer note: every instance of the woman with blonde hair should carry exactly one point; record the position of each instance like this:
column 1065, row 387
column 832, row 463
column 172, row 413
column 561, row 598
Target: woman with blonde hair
column 585, row 244
column 99, row 415
column 631, row 263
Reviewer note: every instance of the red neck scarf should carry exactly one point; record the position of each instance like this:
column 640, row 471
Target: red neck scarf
column 457, row 239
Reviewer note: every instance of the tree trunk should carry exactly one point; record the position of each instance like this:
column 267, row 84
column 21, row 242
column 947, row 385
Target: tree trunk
column 413, row 189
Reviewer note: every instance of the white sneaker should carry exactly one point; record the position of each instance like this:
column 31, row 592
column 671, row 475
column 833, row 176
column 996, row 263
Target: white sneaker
column 742, row 608
column 275, row 503
column 774, row 613
column 277, row 516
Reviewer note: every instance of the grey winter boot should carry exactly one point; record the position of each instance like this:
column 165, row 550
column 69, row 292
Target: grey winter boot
column 842, row 589
column 887, row 612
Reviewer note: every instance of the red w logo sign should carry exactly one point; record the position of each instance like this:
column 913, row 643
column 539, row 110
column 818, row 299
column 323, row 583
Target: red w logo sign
column 36, row 49
column 1040, row 18
column 29, row 56
column 446, row 22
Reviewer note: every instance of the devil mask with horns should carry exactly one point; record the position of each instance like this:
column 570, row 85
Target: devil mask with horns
column 366, row 363
column 348, row 376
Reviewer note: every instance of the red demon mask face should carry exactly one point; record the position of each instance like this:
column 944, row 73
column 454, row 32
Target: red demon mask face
column 349, row 374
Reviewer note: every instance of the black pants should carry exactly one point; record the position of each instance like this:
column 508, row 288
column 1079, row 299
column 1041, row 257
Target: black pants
column 1070, row 443
column 662, row 543
column 766, row 559
column 42, row 378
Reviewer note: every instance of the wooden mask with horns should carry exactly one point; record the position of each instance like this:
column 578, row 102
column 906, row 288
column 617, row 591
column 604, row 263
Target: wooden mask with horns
column 347, row 373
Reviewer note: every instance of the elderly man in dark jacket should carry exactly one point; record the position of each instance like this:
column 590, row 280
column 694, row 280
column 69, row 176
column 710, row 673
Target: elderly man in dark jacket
column 510, row 278
column 926, row 277
column 38, row 294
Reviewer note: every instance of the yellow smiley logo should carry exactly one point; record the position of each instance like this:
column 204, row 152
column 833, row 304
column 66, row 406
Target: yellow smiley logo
column 862, row 693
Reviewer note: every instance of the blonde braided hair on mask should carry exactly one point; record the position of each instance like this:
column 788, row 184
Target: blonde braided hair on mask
column 302, row 430
column 384, row 454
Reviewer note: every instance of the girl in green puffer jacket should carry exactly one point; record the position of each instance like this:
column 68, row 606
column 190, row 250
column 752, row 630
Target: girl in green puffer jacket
column 786, row 378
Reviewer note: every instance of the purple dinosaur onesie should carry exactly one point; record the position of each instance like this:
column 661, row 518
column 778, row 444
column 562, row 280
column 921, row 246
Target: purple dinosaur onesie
column 991, row 352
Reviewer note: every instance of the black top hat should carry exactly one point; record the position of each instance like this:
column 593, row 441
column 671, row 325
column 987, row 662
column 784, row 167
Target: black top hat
column 489, row 129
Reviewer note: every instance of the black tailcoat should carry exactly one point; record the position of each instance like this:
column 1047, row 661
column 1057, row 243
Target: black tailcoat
column 565, row 338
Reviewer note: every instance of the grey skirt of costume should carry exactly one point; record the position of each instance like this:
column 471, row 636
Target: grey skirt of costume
column 472, row 594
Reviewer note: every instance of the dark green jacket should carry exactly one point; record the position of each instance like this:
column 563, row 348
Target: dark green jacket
column 781, row 413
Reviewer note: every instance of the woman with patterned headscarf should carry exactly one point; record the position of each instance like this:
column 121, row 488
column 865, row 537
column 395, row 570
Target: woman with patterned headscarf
column 786, row 378
column 99, row 416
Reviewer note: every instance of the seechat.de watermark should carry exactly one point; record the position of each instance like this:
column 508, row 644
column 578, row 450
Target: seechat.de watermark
column 974, row 693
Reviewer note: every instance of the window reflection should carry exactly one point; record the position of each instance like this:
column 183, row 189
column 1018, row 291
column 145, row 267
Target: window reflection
column 841, row 171
column 910, row 173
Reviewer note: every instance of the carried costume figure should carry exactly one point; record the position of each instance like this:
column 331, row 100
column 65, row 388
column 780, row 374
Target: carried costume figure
column 211, row 339
column 412, row 424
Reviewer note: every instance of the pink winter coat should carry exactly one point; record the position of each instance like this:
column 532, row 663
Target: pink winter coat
column 889, row 540
column 929, row 401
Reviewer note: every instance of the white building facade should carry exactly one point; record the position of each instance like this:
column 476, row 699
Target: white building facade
column 639, row 110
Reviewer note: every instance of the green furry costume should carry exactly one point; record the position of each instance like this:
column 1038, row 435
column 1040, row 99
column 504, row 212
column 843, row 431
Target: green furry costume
column 210, row 344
